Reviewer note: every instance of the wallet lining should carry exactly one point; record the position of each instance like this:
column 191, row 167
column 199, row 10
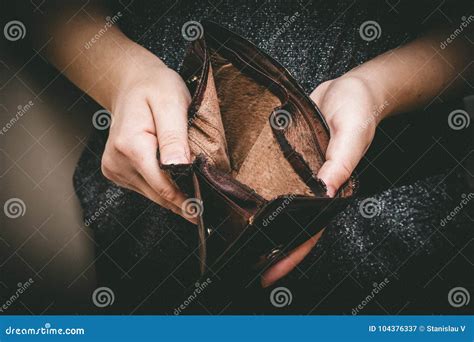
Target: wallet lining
column 232, row 129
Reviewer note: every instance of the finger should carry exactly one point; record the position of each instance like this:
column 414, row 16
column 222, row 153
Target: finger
column 172, row 130
column 147, row 166
column 146, row 190
column 346, row 148
column 318, row 94
column 129, row 167
column 138, row 184
column 285, row 266
column 129, row 178
column 142, row 187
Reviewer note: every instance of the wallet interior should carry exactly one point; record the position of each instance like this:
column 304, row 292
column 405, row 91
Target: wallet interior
column 231, row 128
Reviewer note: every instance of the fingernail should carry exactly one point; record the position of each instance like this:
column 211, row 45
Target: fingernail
column 174, row 160
column 331, row 191
column 265, row 283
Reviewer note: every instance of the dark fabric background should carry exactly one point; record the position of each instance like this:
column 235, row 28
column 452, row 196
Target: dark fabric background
column 411, row 169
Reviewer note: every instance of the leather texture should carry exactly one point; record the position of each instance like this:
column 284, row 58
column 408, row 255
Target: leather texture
column 258, row 142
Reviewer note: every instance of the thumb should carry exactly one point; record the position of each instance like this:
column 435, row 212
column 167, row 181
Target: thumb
column 346, row 148
column 172, row 133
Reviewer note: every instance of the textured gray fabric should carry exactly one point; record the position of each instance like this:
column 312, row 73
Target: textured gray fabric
column 148, row 244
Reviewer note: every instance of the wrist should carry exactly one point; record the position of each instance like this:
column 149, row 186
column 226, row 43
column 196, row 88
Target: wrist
column 383, row 104
column 136, row 66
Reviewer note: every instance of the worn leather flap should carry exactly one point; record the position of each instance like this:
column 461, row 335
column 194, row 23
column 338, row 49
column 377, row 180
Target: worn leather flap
column 250, row 120
column 258, row 142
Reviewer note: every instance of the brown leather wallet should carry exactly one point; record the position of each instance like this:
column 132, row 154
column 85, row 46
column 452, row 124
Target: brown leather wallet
column 258, row 142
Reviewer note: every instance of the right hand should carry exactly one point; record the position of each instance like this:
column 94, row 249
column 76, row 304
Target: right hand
column 149, row 111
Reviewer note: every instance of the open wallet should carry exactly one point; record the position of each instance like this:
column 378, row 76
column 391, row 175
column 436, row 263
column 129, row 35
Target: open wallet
column 257, row 142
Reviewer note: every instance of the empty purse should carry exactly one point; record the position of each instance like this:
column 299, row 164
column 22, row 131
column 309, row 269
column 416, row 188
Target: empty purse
column 258, row 142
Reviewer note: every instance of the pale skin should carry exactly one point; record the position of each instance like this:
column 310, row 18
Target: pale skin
column 149, row 102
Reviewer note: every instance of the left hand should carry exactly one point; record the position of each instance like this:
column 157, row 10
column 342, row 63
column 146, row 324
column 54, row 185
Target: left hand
column 352, row 110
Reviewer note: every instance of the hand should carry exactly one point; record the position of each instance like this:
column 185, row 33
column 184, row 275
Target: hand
column 149, row 110
column 151, row 102
column 352, row 111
